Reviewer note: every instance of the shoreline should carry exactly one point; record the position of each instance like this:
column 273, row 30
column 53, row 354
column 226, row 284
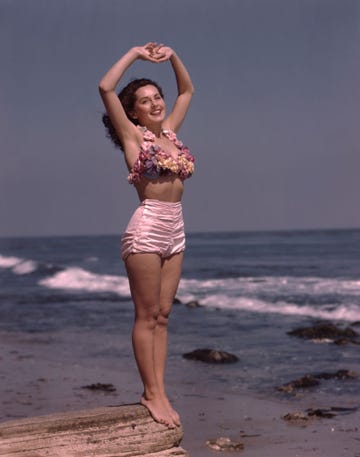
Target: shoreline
column 35, row 380
column 258, row 424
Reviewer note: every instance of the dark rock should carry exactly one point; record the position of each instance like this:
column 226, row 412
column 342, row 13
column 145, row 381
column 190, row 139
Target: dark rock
column 99, row 386
column 311, row 380
column 304, row 418
column 301, row 383
column 211, row 356
column 298, row 418
column 324, row 331
column 327, row 330
column 320, row 413
column 343, row 341
column 248, row 435
column 193, row 304
column 341, row 410
column 225, row 444
column 340, row 374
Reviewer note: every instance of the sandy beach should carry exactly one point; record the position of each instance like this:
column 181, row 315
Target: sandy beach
column 35, row 380
column 66, row 319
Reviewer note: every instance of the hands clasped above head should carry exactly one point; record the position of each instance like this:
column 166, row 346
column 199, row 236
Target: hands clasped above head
column 154, row 52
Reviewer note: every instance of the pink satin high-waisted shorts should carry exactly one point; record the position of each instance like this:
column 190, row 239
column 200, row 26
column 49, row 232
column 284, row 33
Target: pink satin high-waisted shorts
column 155, row 227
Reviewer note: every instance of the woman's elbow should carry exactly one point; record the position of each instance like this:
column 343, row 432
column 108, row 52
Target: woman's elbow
column 191, row 88
column 104, row 87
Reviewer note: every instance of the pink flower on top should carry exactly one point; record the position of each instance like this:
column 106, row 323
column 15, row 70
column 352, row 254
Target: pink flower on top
column 154, row 161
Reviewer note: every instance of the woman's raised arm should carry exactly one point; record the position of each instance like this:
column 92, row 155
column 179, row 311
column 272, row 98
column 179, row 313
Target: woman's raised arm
column 124, row 128
column 185, row 90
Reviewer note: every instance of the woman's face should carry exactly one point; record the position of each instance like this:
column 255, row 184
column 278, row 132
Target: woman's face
column 149, row 106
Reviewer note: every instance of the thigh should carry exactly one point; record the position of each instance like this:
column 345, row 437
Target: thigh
column 144, row 273
column 170, row 277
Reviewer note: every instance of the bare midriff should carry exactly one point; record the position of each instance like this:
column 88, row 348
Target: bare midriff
column 165, row 189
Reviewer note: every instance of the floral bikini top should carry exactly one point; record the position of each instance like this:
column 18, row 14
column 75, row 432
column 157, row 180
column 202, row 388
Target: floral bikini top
column 154, row 162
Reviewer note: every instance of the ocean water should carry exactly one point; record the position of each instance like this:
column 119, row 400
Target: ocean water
column 253, row 287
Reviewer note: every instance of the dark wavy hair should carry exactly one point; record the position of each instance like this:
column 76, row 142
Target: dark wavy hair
column 127, row 97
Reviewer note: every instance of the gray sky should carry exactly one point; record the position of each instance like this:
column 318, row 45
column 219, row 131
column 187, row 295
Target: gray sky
column 273, row 124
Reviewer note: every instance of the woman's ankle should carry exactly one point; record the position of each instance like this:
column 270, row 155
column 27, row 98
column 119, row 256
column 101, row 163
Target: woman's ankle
column 151, row 394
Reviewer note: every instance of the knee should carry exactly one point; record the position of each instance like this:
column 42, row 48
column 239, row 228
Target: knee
column 147, row 318
column 163, row 317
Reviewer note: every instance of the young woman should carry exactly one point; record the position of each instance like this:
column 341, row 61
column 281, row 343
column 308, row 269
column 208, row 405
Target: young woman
column 154, row 240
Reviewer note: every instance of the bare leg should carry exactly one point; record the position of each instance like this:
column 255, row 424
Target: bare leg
column 144, row 272
column 170, row 277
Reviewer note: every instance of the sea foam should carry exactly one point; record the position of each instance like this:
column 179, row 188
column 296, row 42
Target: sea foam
column 17, row 265
column 79, row 279
column 279, row 285
column 329, row 312
column 235, row 293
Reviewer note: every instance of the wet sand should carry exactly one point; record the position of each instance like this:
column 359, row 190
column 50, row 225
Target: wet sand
column 35, row 379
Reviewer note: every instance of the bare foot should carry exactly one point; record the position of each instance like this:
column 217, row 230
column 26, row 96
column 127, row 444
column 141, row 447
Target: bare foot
column 158, row 411
column 173, row 414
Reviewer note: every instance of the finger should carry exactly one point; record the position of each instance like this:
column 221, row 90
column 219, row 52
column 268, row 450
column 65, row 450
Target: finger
column 157, row 47
column 160, row 59
column 159, row 55
column 150, row 47
column 160, row 50
column 154, row 59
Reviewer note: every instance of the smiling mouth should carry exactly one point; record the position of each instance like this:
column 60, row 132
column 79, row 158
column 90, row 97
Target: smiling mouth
column 157, row 111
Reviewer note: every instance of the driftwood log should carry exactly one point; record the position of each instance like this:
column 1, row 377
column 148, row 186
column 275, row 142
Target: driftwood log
column 120, row 431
